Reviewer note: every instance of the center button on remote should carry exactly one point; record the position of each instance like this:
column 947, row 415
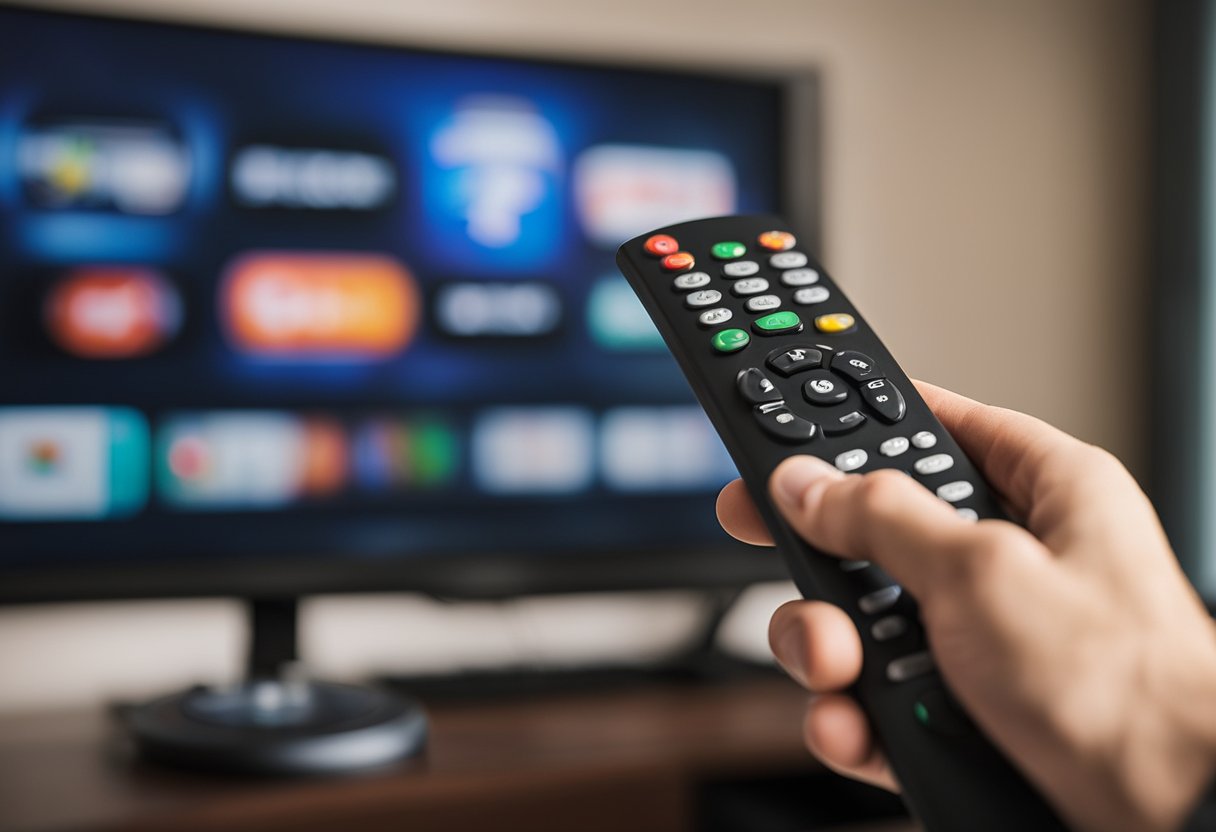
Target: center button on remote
column 822, row 389
column 756, row 387
column 778, row 421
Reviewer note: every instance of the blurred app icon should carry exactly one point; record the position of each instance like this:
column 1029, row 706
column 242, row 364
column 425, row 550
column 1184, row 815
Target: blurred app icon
column 534, row 450
column 494, row 181
column 326, row 467
column 110, row 165
column 662, row 449
column 72, row 463
column 400, row 454
column 624, row 190
column 497, row 310
column 319, row 307
column 250, row 460
column 616, row 318
column 112, row 312
column 269, row 176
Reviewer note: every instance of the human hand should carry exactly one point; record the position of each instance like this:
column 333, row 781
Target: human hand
column 1076, row 643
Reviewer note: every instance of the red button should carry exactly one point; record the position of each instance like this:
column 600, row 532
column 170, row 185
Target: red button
column 661, row 245
column 776, row 240
column 678, row 262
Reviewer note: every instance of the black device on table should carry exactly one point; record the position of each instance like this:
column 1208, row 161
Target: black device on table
column 784, row 364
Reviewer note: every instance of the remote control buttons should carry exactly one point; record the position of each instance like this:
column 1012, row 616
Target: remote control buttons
column 800, row 277
column 835, row 323
column 742, row 268
column 923, row 440
column 728, row 250
column 661, row 245
column 885, row 399
column 894, row 446
column 678, row 262
column 892, row 626
column 714, row 317
column 909, row 667
column 730, row 340
column 822, row 389
column 848, row 422
column 968, row 514
column 756, row 387
column 856, row 365
column 795, row 359
column 763, row 303
column 812, row 295
column 788, row 260
column 880, row 599
column 778, row 421
column 690, row 281
column 777, row 323
column 852, row 460
column 952, row 492
column 749, row 286
column 933, row 464
column 776, row 240
column 705, row 297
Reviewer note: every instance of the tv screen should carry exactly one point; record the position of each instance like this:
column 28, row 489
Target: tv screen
column 272, row 305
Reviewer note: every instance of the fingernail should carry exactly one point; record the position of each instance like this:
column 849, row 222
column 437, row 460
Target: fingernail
column 794, row 477
column 789, row 647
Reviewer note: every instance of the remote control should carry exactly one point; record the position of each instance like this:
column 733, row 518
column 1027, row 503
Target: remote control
column 783, row 364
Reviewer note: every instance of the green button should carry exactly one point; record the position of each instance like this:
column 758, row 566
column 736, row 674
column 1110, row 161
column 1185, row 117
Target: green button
column 922, row 713
column 778, row 322
column 728, row 250
column 730, row 340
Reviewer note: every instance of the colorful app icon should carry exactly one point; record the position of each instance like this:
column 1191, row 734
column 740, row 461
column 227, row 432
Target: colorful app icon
column 326, row 467
column 403, row 454
column 662, row 449
column 616, row 318
column 315, row 179
column 112, row 312
column 622, row 190
column 126, row 167
column 72, row 463
column 319, row 307
column 534, row 450
column 497, row 310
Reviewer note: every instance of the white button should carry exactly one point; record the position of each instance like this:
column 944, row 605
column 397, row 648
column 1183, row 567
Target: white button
column 879, row 600
column 705, row 297
column 788, row 260
column 952, row 492
column 853, row 565
column 894, row 446
column 968, row 514
column 909, row 667
column 934, row 464
column 815, row 294
column 924, row 439
column 741, row 268
column 713, row 317
column 800, row 277
column 763, row 303
column 885, row 629
column 851, row 460
column 692, row 280
column 751, row 286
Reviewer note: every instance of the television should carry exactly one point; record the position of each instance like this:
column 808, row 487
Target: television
column 282, row 316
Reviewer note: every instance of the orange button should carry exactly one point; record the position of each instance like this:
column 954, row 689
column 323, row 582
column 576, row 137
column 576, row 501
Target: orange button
column 319, row 306
column 776, row 240
column 678, row 262
column 660, row 245
column 112, row 312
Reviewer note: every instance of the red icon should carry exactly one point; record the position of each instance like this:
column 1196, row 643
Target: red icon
column 112, row 312
column 660, row 245
column 678, row 262
column 776, row 240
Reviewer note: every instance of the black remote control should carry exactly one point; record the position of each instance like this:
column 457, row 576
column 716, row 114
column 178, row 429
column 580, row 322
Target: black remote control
column 784, row 364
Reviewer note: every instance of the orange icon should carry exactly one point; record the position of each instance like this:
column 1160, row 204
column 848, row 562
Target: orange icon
column 319, row 306
column 112, row 312
column 776, row 240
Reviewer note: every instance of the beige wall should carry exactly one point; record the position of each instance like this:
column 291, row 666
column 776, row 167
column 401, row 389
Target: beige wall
column 985, row 176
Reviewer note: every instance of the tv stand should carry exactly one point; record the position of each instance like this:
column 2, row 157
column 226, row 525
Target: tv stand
column 275, row 722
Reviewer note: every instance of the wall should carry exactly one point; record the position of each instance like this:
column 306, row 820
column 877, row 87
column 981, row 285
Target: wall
column 985, row 178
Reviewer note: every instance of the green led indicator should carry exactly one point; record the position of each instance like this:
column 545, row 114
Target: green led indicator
column 921, row 712
column 728, row 250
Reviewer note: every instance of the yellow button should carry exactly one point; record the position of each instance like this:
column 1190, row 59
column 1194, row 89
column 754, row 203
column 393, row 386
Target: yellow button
column 836, row 322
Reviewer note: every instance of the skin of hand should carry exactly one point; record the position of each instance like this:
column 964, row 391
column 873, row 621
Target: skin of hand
column 1076, row 643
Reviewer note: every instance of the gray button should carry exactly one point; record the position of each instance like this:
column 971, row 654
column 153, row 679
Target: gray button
column 934, row 464
column 713, row 317
column 692, row 280
column 885, row 629
column 852, row 460
column 741, row 268
column 909, row 667
column 705, row 297
column 952, row 492
column 853, row 565
column 879, row 600
column 763, row 303
column 815, row 294
column 924, row 440
column 968, row 514
column 894, row 446
column 788, row 260
column 800, row 277
column 750, row 286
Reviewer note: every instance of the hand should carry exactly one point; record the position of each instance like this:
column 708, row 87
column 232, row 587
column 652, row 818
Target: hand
column 1076, row 643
